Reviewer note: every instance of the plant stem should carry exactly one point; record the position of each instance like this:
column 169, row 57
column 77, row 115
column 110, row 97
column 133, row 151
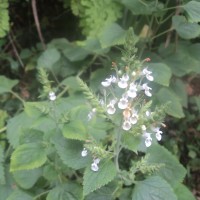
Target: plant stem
column 17, row 96
column 41, row 194
column 3, row 129
column 160, row 34
column 171, row 8
column 118, row 149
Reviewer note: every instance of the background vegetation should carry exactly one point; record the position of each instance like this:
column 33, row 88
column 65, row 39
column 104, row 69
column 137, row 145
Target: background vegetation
column 82, row 38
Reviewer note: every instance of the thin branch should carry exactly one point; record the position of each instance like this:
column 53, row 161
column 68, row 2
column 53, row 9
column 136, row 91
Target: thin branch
column 15, row 50
column 37, row 23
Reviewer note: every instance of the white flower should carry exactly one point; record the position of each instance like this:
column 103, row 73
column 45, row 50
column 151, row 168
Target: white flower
column 148, row 139
column 143, row 127
column 94, row 167
column 133, row 73
column 126, row 125
column 107, row 82
column 148, row 113
column 113, row 79
column 147, row 73
column 52, row 96
column 158, row 133
column 91, row 114
column 111, row 109
column 96, row 160
column 84, row 152
column 123, row 81
column 146, row 89
column 132, row 92
column 123, row 103
column 134, row 118
column 148, row 142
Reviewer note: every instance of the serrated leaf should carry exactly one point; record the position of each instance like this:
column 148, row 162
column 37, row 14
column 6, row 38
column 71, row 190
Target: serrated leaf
column 48, row 58
column 95, row 180
column 19, row 195
column 172, row 171
column 186, row 30
column 2, row 172
column 153, row 188
column 112, row 35
column 27, row 178
column 75, row 130
column 7, row 84
column 28, row 156
column 15, row 127
column 183, row 193
column 71, row 191
column 192, row 8
column 174, row 108
column 161, row 73
column 70, row 152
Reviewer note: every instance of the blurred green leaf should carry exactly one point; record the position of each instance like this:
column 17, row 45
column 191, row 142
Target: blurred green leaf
column 19, row 195
column 174, row 108
column 6, row 84
column 186, row 30
column 183, row 193
column 153, row 188
column 192, row 8
column 161, row 73
column 172, row 171
column 2, row 173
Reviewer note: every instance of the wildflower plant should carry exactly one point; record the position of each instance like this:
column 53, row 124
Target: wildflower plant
column 82, row 147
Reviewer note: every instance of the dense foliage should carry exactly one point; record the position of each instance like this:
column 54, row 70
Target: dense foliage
column 99, row 99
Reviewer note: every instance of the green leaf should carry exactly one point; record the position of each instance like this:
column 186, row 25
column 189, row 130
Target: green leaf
column 185, row 29
column 183, row 193
column 7, row 84
column 75, row 53
column 48, row 58
column 4, row 18
column 28, row 156
column 95, row 180
column 71, row 191
column 2, row 173
column 131, row 142
column 172, row 171
column 161, row 73
column 179, row 87
column 27, row 178
column 142, row 7
column 153, row 188
column 50, row 173
column 75, row 130
column 174, row 108
column 192, row 8
column 19, row 195
column 112, row 35
column 70, row 152
column 15, row 127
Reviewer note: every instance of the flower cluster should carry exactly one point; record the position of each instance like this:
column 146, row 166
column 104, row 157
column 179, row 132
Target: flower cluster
column 96, row 161
column 130, row 88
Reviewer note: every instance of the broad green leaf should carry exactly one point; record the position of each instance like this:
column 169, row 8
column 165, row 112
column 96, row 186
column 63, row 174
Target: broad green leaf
column 194, row 51
column 19, row 195
column 6, row 84
column 28, row 156
column 131, row 142
column 174, row 108
column 95, row 180
column 112, row 35
column 104, row 193
column 186, row 30
column 4, row 18
column 75, row 53
column 50, row 173
column 5, row 191
column 2, row 173
column 153, row 188
column 30, row 135
column 179, row 87
column 15, row 127
column 161, row 73
column 183, row 193
column 172, row 171
column 72, row 84
column 48, row 58
column 192, row 8
column 27, row 178
column 142, row 7
column 3, row 117
column 70, row 152
column 75, row 130
column 71, row 191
